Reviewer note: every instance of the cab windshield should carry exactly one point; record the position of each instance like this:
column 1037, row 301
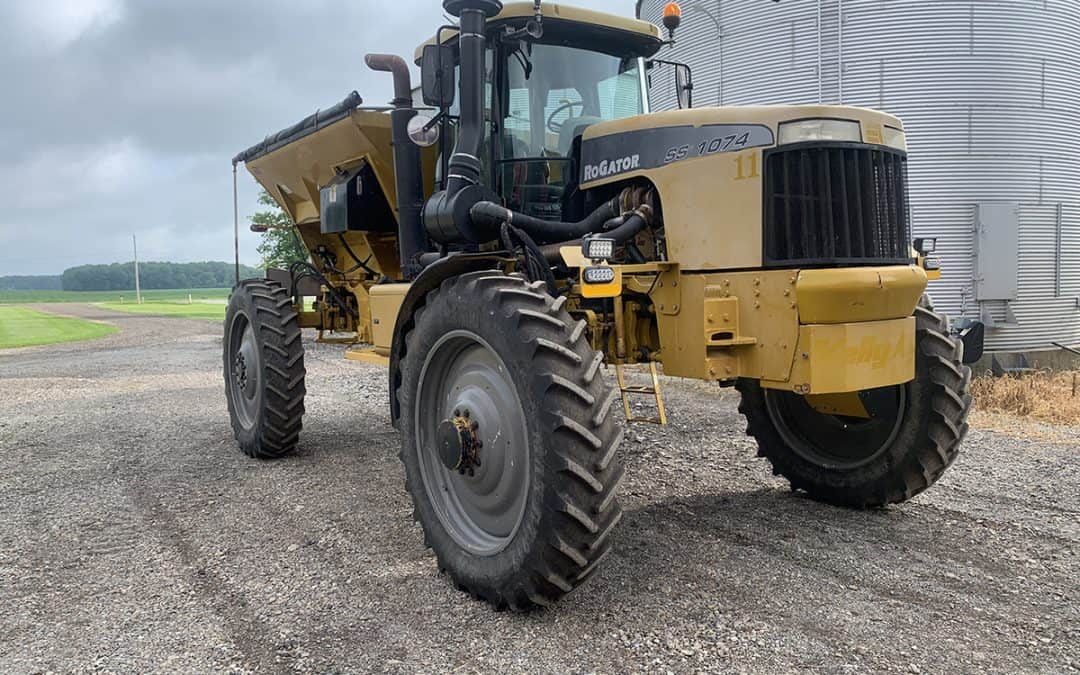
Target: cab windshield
column 551, row 93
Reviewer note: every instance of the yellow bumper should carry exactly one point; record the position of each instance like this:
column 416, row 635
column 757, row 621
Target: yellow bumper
column 841, row 357
column 858, row 293
column 809, row 331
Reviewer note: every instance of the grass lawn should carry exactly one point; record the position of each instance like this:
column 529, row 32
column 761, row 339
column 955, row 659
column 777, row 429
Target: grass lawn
column 22, row 327
column 163, row 295
column 196, row 310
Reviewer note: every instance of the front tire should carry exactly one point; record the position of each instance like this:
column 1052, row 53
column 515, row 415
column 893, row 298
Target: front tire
column 508, row 440
column 904, row 448
column 264, row 369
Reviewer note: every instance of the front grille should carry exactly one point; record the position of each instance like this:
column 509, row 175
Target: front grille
column 836, row 204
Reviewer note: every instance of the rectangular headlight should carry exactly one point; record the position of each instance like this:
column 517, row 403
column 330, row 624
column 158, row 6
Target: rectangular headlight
column 820, row 130
column 894, row 138
column 598, row 248
column 598, row 275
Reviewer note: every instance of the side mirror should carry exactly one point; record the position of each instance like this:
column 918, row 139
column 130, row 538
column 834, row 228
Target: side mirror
column 437, row 75
column 423, row 131
column 684, row 86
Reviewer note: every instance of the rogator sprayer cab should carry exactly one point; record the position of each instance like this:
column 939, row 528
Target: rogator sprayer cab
column 536, row 227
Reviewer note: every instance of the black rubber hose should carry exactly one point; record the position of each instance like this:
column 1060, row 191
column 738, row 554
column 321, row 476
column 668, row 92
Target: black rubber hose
column 314, row 272
column 359, row 263
column 621, row 231
column 635, row 254
column 553, row 252
column 544, row 231
column 633, row 224
column 537, row 266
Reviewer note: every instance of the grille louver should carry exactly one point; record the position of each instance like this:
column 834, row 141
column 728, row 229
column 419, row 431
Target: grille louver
column 836, row 204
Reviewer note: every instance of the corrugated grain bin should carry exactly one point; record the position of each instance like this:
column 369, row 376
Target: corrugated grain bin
column 989, row 91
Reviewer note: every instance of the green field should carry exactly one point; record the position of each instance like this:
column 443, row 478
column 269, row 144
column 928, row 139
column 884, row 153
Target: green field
column 165, row 295
column 196, row 310
column 22, row 327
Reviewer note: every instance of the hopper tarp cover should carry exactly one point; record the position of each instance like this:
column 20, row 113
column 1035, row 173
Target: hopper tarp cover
column 308, row 125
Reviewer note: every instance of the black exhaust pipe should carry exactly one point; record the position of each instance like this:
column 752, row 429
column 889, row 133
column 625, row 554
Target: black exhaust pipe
column 446, row 214
column 410, row 188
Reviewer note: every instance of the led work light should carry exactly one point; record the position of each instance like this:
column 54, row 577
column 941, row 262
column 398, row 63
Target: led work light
column 925, row 245
column 597, row 248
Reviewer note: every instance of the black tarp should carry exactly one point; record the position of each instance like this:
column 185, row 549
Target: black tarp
column 308, row 125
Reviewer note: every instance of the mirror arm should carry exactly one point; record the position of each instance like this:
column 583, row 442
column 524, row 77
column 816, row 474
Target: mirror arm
column 534, row 28
column 435, row 120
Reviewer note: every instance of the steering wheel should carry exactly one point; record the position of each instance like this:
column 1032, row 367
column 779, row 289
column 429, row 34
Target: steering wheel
column 556, row 127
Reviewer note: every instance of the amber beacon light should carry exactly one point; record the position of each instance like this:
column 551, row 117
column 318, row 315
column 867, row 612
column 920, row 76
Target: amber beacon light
column 672, row 18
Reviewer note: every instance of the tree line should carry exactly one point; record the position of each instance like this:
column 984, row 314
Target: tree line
column 153, row 275
column 20, row 282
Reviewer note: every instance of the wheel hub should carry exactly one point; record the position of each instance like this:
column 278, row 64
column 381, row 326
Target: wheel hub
column 244, row 385
column 468, row 401
column 459, row 443
column 240, row 372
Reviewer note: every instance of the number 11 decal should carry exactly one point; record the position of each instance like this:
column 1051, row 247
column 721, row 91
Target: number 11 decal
column 746, row 166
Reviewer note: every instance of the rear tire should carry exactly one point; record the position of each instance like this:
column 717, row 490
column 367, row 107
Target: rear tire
column 533, row 519
column 823, row 457
column 264, row 369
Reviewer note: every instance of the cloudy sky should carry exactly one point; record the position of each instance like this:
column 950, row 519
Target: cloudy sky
column 121, row 116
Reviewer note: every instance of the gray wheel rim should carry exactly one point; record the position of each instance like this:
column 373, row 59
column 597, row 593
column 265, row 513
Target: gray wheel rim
column 481, row 512
column 245, row 374
column 836, row 442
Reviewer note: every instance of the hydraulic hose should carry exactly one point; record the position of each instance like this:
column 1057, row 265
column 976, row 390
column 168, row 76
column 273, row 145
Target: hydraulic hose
column 491, row 214
column 621, row 230
column 634, row 223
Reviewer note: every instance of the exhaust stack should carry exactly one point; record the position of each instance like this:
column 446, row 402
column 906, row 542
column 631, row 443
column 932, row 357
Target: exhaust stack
column 447, row 212
column 410, row 188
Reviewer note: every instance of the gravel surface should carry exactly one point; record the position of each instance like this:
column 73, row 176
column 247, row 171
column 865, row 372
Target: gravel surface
column 135, row 537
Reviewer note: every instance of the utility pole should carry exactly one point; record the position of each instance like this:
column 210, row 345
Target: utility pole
column 135, row 250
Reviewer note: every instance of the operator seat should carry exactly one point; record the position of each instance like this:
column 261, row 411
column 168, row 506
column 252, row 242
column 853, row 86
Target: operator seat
column 572, row 128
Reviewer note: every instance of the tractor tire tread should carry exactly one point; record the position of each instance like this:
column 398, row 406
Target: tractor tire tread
column 280, row 419
column 580, row 508
column 937, row 436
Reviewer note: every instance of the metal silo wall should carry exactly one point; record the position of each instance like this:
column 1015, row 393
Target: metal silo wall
column 989, row 91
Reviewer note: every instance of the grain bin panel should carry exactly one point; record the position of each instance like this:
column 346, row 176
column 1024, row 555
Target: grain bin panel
column 989, row 91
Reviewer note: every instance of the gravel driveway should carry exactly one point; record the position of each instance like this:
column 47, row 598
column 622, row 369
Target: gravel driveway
column 135, row 537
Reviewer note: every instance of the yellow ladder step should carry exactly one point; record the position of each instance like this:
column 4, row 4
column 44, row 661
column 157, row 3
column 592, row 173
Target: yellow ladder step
column 653, row 391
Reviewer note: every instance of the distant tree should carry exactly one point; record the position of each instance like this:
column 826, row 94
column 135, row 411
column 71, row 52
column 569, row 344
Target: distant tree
column 22, row 282
column 281, row 245
column 152, row 275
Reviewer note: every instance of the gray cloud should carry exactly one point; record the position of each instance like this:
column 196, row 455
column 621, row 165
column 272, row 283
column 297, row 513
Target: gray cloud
column 121, row 116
